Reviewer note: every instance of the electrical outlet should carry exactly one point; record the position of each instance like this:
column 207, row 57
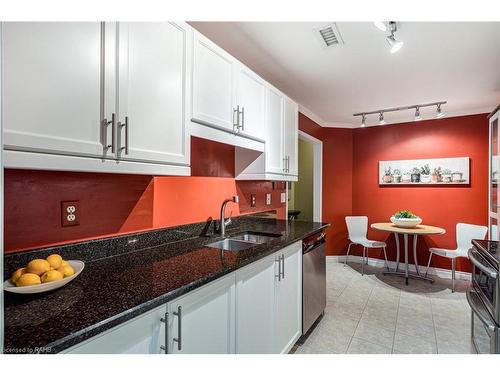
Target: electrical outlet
column 283, row 197
column 268, row 198
column 253, row 200
column 70, row 213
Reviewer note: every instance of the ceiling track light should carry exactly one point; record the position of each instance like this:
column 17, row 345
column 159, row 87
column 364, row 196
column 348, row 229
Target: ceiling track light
column 417, row 114
column 439, row 113
column 381, row 120
column 363, row 121
column 391, row 39
column 416, row 107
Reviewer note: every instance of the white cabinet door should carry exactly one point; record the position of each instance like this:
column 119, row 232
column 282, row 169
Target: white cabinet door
column 274, row 140
column 153, row 94
column 255, row 307
column 204, row 319
column 289, row 299
column 251, row 98
column 142, row 335
column 291, row 136
column 52, row 89
column 213, row 84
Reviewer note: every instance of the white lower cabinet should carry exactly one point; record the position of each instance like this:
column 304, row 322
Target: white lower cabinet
column 144, row 334
column 269, row 303
column 202, row 322
column 257, row 309
column 289, row 299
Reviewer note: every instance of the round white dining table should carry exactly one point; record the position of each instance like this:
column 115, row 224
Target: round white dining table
column 419, row 230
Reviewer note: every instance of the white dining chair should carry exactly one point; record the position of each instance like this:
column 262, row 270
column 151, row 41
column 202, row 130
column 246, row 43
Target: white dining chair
column 357, row 227
column 465, row 234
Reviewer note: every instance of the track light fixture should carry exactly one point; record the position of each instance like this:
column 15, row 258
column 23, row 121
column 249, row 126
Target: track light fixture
column 416, row 107
column 439, row 113
column 381, row 120
column 391, row 26
column 391, row 39
column 417, row 114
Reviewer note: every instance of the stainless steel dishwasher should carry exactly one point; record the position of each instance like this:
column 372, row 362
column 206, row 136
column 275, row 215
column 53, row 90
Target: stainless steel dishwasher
column 313, row 279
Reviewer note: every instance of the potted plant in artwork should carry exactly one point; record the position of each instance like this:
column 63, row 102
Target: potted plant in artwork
column 425, row 174
column 457, row 176
column 406, row 177
column 387, row 176
column 436, row 175
column 415, row 174
column 446, row 176
column 396, row 176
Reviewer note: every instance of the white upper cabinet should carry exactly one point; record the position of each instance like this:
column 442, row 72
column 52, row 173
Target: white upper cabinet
column 274, row 142
column 280, row 160
column 52, row 87
column 97, row 97
column 251, row 99
column 213, row 85
column 153, row 97
column 291, row 137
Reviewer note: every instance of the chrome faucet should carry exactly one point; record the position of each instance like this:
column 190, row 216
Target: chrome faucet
column 223, row 221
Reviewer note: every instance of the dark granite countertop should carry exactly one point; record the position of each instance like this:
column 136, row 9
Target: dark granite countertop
column 126, row 276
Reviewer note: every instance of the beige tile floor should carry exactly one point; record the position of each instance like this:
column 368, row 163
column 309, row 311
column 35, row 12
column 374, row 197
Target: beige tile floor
column 380, row 314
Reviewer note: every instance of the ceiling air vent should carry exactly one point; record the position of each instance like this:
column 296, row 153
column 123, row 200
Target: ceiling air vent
column 329, row 35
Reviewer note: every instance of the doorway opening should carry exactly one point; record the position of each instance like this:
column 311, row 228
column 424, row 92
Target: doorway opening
column 304, row 196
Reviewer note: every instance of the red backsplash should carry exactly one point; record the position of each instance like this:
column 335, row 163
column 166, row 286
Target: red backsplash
column 113, row 204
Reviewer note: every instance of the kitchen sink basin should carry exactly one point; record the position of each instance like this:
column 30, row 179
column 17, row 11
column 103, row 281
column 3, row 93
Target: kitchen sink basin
column 243, row 241
column 232, row 245
column 255, row 237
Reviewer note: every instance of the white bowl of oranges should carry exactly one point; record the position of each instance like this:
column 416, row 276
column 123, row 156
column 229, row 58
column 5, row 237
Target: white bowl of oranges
column 42, row 275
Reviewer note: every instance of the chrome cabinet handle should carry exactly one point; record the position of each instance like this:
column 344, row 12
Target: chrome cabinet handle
column 283, row 266
column 279, row 268
column 125, row 125
column 242, row 118
column 105, row 124
column 178, row 340
column 475, row 305
column 488, row 271
column 236, row 124
column 165, row 320
column 284, row 164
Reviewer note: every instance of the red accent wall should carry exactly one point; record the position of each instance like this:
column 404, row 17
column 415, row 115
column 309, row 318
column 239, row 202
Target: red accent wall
column 441, row 206
column 350, row 178
column 337, row 179
column 112, row 204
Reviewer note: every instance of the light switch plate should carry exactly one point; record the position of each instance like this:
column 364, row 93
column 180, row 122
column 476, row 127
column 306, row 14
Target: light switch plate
column 283, row 197
column 268, row 199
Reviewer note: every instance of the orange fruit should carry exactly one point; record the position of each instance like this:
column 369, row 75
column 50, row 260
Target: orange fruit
column 53, row 275
column 16, row 275
column 54, row 260
column 67, row 271
column 38, row 267
column 28, row 279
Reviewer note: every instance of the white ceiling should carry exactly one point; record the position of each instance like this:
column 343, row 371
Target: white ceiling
column 454, row 61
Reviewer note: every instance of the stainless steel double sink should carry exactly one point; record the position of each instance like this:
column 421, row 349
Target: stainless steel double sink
column 244, row 240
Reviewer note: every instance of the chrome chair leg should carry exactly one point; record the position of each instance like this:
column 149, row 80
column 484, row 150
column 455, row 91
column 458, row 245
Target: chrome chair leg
column 385, row 256
column 453, row 275
column 428, row 265
column 363, row 262
column 347, row 255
